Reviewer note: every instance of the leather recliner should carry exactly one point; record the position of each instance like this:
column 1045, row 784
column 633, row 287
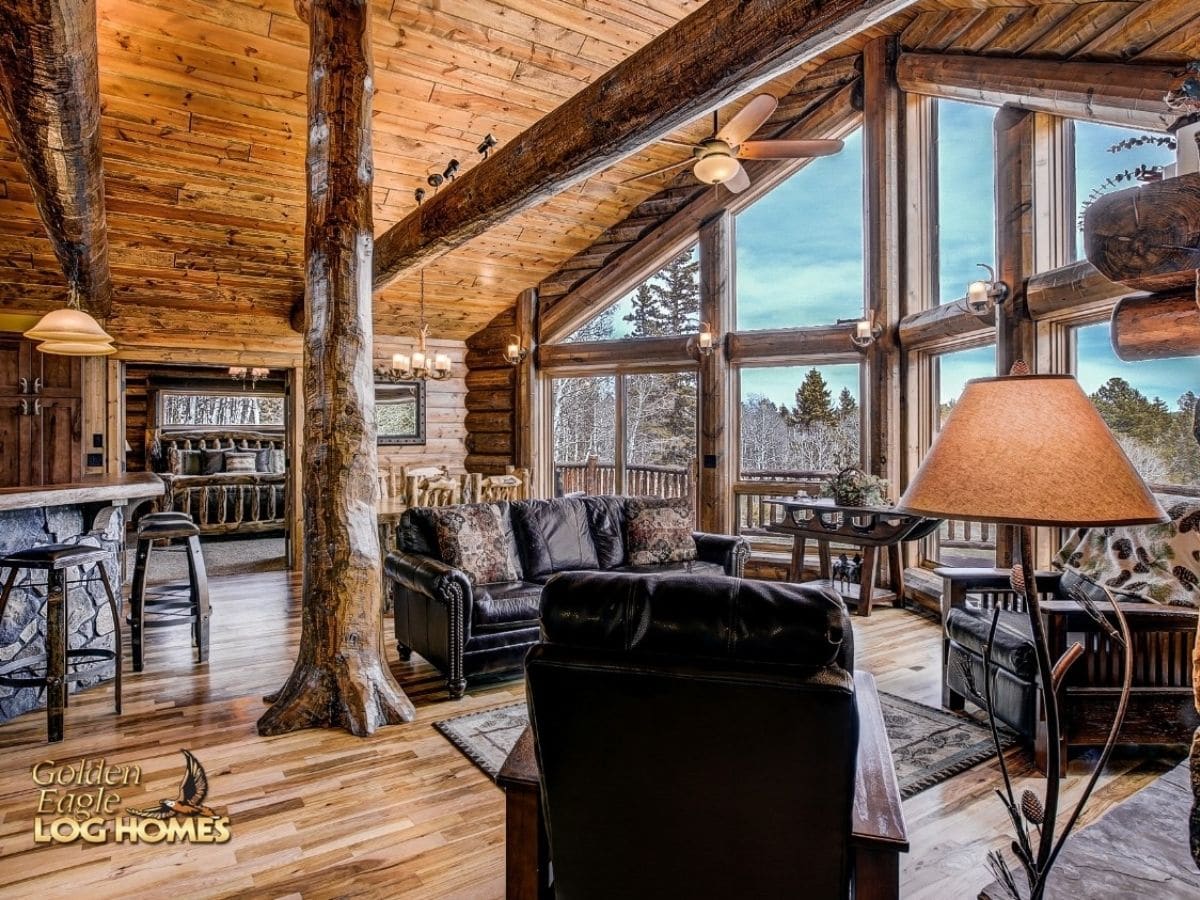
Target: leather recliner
column 485, row 629
column 696, row 737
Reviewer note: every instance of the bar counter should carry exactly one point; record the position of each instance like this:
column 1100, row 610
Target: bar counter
column 90, row 511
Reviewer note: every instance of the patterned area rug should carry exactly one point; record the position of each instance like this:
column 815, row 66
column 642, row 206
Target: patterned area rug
column 928, row 745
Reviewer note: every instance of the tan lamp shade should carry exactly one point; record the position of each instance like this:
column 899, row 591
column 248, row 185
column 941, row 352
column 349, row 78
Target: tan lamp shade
column 1029, row 450
column 75, row 348
column 70, row 325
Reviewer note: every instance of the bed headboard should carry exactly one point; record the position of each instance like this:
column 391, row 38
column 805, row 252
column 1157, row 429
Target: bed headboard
column 216, row 438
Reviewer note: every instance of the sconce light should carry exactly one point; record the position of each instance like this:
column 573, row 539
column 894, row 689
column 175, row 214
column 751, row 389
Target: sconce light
column 703, row 342
column 514, row 353
column 866, row 330
column 984, row 296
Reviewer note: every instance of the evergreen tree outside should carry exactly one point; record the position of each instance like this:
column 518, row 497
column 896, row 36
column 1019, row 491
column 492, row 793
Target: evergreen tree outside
column 813, row 402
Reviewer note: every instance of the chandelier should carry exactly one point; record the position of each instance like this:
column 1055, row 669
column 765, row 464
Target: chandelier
column 247, row 376
column 421, row 366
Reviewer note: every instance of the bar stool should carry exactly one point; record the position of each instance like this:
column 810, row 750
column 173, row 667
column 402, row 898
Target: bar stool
column 167, row 608
column 54, row 560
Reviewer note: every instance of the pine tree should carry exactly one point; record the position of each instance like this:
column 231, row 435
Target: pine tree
column 669, row 301
column 1129, row 412
column 813, row 406
column 847, row 406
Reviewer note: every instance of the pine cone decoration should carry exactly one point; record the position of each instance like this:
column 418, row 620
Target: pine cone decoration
column 1016, row 579
column 1032, row 809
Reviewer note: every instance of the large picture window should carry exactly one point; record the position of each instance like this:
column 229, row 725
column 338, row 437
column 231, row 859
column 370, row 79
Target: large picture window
column 1149, row 406
column 666, row 303
column 194, row 409
column 800, row 247
column 966, row 200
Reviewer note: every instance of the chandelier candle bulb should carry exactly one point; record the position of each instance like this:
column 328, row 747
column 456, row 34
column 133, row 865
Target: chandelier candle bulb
column 418, row 359
column 862, row 330
column 441, row 363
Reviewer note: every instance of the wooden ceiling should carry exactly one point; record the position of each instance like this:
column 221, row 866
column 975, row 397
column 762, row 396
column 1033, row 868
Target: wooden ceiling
column 203, row 139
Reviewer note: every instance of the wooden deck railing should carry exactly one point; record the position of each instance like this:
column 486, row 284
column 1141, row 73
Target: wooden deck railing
column 594, row 477
column 752, row 515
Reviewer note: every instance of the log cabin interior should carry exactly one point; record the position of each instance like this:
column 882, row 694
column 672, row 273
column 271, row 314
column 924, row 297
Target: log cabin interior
column 599, row 448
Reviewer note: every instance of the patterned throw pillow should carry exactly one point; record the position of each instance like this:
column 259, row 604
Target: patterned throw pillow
column 472, row 538
column 658, row 531
column 240, row 462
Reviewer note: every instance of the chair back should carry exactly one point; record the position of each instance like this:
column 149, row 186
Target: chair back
column 513, row 485
column 696, row 737
column 441, row 491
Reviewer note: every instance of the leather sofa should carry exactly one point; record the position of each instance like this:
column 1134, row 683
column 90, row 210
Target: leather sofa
column 485, row 629
column 697, row 737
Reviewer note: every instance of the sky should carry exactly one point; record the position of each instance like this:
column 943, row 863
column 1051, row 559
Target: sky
column 800, row 251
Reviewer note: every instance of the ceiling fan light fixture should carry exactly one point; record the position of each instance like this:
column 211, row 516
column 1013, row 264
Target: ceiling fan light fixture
column 717, row 166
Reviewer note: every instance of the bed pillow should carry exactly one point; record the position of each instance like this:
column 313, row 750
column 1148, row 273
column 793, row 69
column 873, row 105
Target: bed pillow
column 213, row 462
column 473, row 538
column 240, row 461
column 191, row 462
column 658, row 531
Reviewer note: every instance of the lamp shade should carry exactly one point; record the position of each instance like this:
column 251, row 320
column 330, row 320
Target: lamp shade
column 1029, row 450
column 71, row 325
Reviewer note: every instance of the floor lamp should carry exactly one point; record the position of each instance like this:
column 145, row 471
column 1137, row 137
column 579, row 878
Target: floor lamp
column 1030, row 450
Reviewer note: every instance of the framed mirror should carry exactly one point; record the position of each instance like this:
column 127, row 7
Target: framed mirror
column 400, row 412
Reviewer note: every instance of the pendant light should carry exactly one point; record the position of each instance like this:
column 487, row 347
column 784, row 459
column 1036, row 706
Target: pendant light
column 421, row 365
column 71, row 332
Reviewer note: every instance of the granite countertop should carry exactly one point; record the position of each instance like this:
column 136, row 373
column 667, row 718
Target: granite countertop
column 93, row 489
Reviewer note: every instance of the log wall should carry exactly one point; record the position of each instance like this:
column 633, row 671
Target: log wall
column 490, row 398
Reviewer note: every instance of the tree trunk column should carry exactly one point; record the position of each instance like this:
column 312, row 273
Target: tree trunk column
column 340, row 678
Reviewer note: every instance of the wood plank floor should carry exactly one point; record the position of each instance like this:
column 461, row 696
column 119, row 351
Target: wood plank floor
column 401, row 814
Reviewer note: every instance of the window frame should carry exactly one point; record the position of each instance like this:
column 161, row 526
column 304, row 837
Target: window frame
column 163, row 393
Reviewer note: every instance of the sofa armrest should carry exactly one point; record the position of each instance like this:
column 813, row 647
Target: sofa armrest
column 728, row 550
column 429, row 577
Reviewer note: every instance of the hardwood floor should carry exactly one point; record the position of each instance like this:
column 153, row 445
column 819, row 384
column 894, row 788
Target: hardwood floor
column 323, row 814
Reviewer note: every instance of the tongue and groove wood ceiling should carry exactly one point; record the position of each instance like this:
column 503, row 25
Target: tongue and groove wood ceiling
column 204, row 118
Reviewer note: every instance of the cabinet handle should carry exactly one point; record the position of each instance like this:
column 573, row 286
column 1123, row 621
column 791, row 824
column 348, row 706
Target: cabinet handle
column 24, row 382
column 24, row 406
column 37, row 408
column 37, row 385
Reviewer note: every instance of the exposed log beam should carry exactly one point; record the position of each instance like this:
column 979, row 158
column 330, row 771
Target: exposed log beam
column 340, row 679
column 835, row 118
column 50, row 99
column 723, row 50
column 648, row 353
column 949, row 320
column 830, row 342
column 1157, row 326
column 1111, row 92
column 1147, row 237
column 1075, row 286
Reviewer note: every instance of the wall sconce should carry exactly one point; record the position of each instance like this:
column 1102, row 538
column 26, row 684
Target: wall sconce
column 248, row 376
column 514, row 354
column 866, row 330
column 703, row 342
column 983, row 296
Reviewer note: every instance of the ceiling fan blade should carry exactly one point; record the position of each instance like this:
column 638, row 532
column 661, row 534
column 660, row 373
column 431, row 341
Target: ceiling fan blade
column 748, row 119
column 787, row 149
column 671, row 142
column 660, row 171
column 738, row 182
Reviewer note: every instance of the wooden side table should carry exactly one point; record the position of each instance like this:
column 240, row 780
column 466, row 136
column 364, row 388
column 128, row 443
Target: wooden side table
column 878, row 833
column 871, row 529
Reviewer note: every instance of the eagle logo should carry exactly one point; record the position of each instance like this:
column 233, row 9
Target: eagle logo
column 190, row 801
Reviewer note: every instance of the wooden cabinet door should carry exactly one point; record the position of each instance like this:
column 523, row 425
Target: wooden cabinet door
column 14, row 441
column 41, row 415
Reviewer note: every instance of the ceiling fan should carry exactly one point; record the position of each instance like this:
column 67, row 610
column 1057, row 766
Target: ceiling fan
column 715, row 159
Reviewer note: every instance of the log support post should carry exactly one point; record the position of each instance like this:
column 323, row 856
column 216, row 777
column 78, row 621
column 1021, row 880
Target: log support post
column 340, row 678
column 883, row 202
column 718, row 453
column 1014, row 155
column 527, row 421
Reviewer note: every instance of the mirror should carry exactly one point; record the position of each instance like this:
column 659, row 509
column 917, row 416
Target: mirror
column 400, row 412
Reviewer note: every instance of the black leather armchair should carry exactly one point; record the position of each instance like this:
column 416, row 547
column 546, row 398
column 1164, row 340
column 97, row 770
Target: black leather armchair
column 700, row 738
column 485, row 629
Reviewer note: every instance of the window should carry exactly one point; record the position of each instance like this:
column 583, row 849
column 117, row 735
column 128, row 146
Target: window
column 1148, row 405
column 799, row 420
column 966, row 201
column 800, row 247
column 650, row 417
column 179, row 409
column 961, row 543
column 666, row 303
column 1108, row 158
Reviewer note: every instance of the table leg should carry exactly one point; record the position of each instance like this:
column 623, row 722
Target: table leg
column 896, row 574
column 866, row 580
column 526, row 849
column 876, row 874
column 796, row 570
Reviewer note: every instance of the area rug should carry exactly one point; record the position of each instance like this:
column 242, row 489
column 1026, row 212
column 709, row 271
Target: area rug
column 227, row 556
column 928, row 745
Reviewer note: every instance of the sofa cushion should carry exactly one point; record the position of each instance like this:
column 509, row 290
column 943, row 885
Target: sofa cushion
column 658, row 530
column 1012, row 648
column 475, row 538
column 553, row 536
column 693, row 567
column 505, row 606
column 606, row 520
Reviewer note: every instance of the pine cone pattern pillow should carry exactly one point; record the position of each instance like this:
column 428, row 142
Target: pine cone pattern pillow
column 659, row 531
column 471, row 538
column 1158, row 563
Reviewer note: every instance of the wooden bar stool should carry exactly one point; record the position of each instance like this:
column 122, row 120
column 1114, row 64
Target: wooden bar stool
column 165, row 606
column 54, row 560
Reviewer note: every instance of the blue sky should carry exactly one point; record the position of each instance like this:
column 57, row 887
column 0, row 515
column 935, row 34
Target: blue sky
column 966, row 196
column 779, row 383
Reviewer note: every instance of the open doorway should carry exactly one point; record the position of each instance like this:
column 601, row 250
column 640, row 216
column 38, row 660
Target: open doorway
column 219, row 439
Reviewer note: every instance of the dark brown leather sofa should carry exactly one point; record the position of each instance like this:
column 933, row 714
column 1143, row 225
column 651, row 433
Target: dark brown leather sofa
column 471, row 630
column 696, row 738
